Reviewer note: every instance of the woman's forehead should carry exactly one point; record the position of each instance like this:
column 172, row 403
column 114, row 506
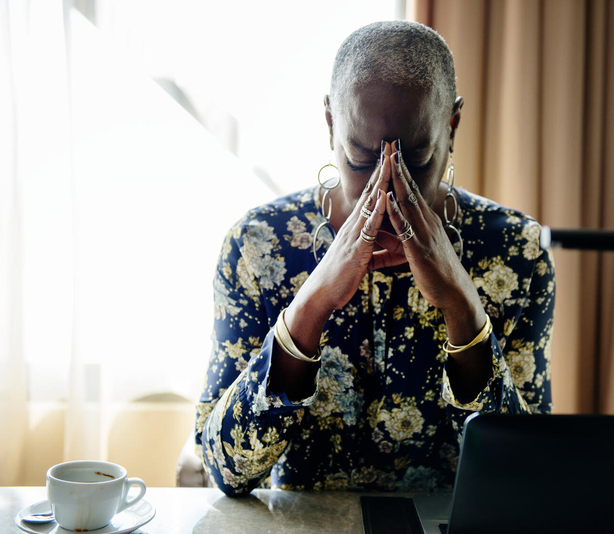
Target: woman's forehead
column 380, row 111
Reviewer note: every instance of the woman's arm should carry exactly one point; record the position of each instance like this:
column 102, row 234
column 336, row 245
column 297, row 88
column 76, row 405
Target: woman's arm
column 520, row 353
column 248, row 419
column 440, row 277
column 241, row 428
column 330, row 286
column 477, row 378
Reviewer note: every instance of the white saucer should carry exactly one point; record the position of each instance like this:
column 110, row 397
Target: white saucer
column 127, row 521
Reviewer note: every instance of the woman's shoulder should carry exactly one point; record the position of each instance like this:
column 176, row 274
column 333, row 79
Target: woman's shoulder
column 289, row 220
column 275, row 239
column 490, row 215
column 492, row 229
column 481, row 204
column 279, row 211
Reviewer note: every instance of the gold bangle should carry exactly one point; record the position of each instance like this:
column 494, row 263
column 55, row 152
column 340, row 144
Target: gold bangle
column 285, row 341
column 482, row 335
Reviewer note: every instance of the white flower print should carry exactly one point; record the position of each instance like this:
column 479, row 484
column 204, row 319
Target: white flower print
column 531, row 250
column 522, row 364
column 260, row 238
column 498, row 282
column 223, row 303
column 302, row 241
column 417, row 303
column 401, row 423
column 296, row 226
column 269, row 271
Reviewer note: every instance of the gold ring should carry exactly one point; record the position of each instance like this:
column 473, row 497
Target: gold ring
column 365, row 212
column 366, row 237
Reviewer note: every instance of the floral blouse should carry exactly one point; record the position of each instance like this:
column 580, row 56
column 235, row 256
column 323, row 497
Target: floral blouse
column 383, row 416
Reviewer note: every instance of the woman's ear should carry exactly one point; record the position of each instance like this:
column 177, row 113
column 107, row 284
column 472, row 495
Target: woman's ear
column 329, row 120
column 455, row 120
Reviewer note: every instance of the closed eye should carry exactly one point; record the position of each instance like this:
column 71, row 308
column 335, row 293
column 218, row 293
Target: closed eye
column 421, row 167
column 360, row 168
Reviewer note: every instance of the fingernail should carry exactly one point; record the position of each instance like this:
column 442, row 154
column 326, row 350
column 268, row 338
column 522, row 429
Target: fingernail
column 399, row 145
column 383, row 157
column 379, row 193
column 383, row 146
column 391, row 196
column 396, row 157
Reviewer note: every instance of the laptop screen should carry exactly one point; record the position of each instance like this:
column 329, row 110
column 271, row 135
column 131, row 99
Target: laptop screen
column 534, row 474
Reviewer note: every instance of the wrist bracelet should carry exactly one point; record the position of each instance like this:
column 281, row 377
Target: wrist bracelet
column 285, row 341
column 482, row 335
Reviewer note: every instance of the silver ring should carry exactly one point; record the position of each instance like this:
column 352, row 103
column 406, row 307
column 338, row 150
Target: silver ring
column 366, row 237
column 365, row 212
column 406, row 228
column 407, row 234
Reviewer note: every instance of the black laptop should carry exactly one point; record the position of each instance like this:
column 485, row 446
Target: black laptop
column 516, row 474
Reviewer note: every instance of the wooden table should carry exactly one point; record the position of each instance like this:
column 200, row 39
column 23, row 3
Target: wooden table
column 209, row 511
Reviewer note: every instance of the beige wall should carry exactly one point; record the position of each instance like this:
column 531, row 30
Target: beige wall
column 145, row 437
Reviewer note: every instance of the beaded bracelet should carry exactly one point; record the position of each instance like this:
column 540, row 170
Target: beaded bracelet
column 482, row 335
column 285, row 341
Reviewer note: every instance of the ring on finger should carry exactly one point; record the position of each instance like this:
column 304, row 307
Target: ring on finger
column 407, row 234
column 366, row 237
column 365, row 212
column 406, row 228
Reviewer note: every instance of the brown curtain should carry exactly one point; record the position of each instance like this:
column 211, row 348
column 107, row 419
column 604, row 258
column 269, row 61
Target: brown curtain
column 537, row 134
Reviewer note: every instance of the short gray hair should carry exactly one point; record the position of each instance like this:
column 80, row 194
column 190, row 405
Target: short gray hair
column 402, row 53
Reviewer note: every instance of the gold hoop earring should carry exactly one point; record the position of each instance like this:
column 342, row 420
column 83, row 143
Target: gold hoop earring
column 451, row 197
column 327, row 206
column 324, row 184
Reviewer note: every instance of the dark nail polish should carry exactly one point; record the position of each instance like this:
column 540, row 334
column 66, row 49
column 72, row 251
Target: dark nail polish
column 396, row 157
column 383, row 146
column 382, row 158
column 379, row 193
column 391, row 196
column 398, row 145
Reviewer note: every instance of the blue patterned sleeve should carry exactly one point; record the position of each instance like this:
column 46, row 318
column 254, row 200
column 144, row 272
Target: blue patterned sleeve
column 521, row 307
column 241, row 429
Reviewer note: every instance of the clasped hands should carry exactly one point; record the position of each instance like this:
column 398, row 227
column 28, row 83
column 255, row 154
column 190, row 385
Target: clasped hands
column 420, row 241
column 438, row 274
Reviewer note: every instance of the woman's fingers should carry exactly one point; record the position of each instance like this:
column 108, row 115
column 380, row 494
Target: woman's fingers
column 374, row 178
column 370, row 228
column 380, row 179
column 403, row 228
column 407, row 190
column 404, row 208
column 374, row 203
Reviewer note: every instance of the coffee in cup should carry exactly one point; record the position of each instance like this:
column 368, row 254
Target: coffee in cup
column 86, row 495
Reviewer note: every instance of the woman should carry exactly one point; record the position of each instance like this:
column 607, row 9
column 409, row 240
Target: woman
column 354, row 365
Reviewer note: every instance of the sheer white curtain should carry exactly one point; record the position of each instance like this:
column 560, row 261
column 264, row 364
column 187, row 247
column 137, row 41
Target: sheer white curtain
column 35, row 184
column 114, row 202
column 111, row 224
column 13, row 412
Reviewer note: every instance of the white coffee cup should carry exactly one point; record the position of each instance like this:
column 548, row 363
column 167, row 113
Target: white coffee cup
column 86, row 495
